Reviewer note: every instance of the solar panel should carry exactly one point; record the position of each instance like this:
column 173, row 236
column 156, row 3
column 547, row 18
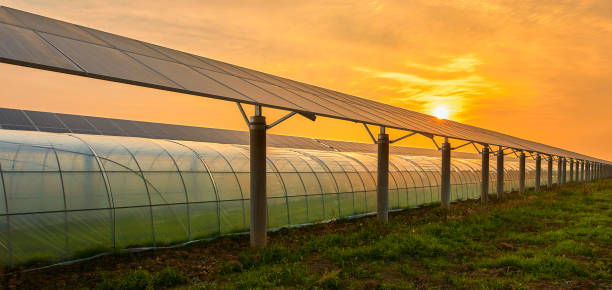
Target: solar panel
column 6, row 17
column 105, row 126
column 188, row 78
column 131, row 128
column 155, row 130
column 107, row 62
column 46, row 122
column 124, row 43
column 15, row 120
column 49, row 25
column 22, row 46
column 108, row 126
column 31, row 40
column 77, row 124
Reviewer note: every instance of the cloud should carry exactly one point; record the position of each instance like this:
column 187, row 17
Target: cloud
column 466, row 63
column 426, row 93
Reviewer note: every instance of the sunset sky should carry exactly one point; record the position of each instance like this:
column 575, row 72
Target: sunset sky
column 540, row 69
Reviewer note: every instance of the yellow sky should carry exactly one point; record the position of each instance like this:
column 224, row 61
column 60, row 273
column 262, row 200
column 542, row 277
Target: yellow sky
column 540, row 70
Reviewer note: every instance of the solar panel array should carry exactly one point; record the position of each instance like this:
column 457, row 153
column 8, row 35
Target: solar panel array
column 14, row 119
column 31, row 40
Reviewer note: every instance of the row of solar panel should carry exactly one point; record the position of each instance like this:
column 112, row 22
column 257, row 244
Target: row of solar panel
column 64, row 123
column 33, row 40
column 13, row 119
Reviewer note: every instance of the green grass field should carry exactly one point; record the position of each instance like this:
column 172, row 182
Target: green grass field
column 552, row 239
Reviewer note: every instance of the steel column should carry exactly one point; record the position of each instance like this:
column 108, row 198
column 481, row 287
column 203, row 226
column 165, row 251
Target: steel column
column 598, row 170
column 577, row 173
column 257, row 130
column 382, row 188
column 538, row 172
column 571, row 173
column 445, row 188
column 500, row 172
column 582, row 174
column 484, row 184
column 587, row 174
column 522, row 172
column 559, row 171
column 550, row 172
column 564, row 171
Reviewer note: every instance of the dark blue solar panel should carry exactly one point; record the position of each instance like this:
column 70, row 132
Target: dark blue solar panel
column 46, row 120
column 131, row 128
column 106, row 126
column 12, row 118
column 77, row 124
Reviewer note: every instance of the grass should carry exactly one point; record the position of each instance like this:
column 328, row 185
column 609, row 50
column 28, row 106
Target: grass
column 142, row 279
column 551, row 239
column 558, row 238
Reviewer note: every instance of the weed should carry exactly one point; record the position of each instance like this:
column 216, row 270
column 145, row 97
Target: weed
column 133, row 280
column 330, row 280
column 141, row 279
column 166, row 278
column 271, row 276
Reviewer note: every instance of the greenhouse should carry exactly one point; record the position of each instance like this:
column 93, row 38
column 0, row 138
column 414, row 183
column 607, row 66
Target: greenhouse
column 97, row 193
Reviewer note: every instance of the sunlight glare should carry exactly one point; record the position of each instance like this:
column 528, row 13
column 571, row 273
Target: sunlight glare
column 441, row 112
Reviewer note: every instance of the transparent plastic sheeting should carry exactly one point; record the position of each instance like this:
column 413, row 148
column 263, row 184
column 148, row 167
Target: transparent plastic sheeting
column 67, row 196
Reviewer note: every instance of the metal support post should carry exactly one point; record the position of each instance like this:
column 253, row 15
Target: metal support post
column 484, row 184
column 587, row 173
column 500, row 172
column 550, row 172
column 598, row 170
column 257, row 130
column 565, row 171
column 577, row 173
column 571, row 173
column 445, row 188
column 382, row 189
column 559, row 171
column 538, row 172
column 597, row 176
column 522, row 172
column 582, row 174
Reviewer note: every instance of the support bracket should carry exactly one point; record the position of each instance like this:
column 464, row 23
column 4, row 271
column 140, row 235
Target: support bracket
column 463, row 145
column 402, row 138
column 283, row 118
column 370, row 133
column 436, row 143
column 477, row 150
column 244, row 116
column 311, row 117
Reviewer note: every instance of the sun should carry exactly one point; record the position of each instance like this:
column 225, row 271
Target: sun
column 441, row 112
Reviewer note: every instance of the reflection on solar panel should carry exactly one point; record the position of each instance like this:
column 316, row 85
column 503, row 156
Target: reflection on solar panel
column 65, row 123
column 31, row 40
